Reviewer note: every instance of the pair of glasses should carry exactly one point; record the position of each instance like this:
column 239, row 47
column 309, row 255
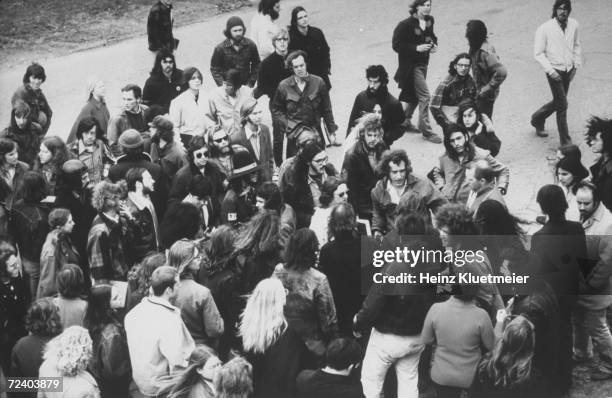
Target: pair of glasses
column 200, row 155
column 219, row 140
column 322, row 160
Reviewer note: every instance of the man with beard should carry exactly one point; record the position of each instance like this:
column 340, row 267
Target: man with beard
column 489, row 73
column 397, row 184
column 224, row 102
column 595, row 292
column 164, row 83
column 132, row 116
column 221, row 152
column 235, row 52
column 557, row 50
column 375, row 97
column 263, row 28
column 303, row 98
column 460, row 154
column 360, row 167
column 599, row 138
column 272, row 71
column 455, row 87
column 141, row 215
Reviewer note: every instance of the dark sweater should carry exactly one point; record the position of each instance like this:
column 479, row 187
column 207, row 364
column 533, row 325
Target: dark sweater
column 320, row 384
column 271, row 72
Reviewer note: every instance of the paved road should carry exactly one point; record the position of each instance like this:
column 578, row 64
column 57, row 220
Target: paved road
column 359, row 33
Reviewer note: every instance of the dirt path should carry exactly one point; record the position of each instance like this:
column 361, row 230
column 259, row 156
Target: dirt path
column 359, row 33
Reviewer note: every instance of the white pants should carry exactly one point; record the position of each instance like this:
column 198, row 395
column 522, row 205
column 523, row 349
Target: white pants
column 385, row 350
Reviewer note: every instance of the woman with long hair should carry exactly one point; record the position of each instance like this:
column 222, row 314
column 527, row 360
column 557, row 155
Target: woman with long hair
column 42, row 322
column 110, row 363
column 258, row 249
column 196, row 381
column 68, row 356
column 333, row 191
column 52, row 155
column 29, row 226
column 14, row 299
column 503, row 235
column 274, row 350
column 569, row 172
column 91, row 148
column 508, row 370
column 56, row 251
column 95, row 108
column 311, row 40
column 310, row 307
column 268, row 198
column 479, row 126
column 12, row 170
column 198, row 308
column 219, row 274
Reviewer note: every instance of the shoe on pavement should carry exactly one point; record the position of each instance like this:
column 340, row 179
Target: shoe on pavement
column 539, row 129
column 433, row 137
column 601, row 375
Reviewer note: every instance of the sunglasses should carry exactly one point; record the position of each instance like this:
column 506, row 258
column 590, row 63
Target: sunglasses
column 200, row 154
column 219, row 140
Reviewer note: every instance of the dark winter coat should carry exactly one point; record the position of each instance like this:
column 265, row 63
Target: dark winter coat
column 28, row 139
column 245, row 60
column 159, row 90
column 317, row 49
column 392, row 113
column 360, row 177
column 159, row 27
column 37, row 102
column 406, row 37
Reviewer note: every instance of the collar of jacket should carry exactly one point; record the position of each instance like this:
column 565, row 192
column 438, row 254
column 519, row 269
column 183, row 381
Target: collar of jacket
column 161, row 302
column 596, row 217
column 141, row 156
column 243, row 43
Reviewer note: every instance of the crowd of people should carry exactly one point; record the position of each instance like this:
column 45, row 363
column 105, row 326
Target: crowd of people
column 183, row 248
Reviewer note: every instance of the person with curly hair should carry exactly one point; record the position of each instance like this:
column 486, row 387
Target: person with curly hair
column 310, row 307
column 110, row 364
column 106, row 242
column 599, row 138
column 234, row 379
column 273, row 348
column 399, row 182
column 198, row 308
column 42, row 321
column 139, row 278
column 68, row 356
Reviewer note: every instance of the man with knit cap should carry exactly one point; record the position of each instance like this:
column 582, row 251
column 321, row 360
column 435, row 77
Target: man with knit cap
column 132, row 145
column 255, row 137
column 235, row 52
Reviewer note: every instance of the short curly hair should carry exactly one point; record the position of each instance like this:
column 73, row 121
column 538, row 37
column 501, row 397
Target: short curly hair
column 369, row 122
column 104, row 192
column 43, row 318
column 70, row 352
column 457, row 219
column 395, row 156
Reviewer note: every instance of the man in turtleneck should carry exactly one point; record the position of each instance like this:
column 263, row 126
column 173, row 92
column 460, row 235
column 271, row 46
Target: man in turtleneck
column 376, row 98
column 132, row 116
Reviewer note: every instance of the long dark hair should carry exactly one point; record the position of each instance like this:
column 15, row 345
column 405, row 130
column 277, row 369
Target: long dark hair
column 99, row 312
column 495, row 219
column 294, row 16
column 260, row 236
column 476, row 34
column 184, row 381
column 301, row 252
column 450, row 151
column 161, row 55
column 6, row 146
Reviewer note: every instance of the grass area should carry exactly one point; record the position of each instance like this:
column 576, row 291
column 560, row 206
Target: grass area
column 35, row 29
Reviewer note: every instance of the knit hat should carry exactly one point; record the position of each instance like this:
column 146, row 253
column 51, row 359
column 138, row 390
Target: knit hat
column 232, row 22
column 243, row 163
column 247, row 108
column 130, row 139
column 162, row 123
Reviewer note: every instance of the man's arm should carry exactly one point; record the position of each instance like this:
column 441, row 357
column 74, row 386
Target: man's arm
column 539, row 50
column 326, row 110
column 355, row 114
column 213, row 323
column 503, row 172
column 435, row 105
column 379, row 221
column 499, row 72
column 577, row 49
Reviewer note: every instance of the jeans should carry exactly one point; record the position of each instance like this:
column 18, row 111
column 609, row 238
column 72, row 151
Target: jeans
column 592, row 325
column 422, row 93
column 32, row 269
column 385, row 350
column 558, row 104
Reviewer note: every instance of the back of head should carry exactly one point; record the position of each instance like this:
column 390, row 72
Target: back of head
column 327, row 190
column 70, row 281
column 301, row 252
column 162, row 278
column 476, row 33
column 457, row 219
column 99, row 312
column 33, row 188
column 342, row 220
column 234, row 379
column 343, row 352
column 552, row 201
column 43, row 318
column 270, row 193
column 232, row 77
column 483, row 170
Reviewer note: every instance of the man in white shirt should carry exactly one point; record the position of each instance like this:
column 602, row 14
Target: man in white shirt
column 158, row 340
column 557, row 49
column 225, row 101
